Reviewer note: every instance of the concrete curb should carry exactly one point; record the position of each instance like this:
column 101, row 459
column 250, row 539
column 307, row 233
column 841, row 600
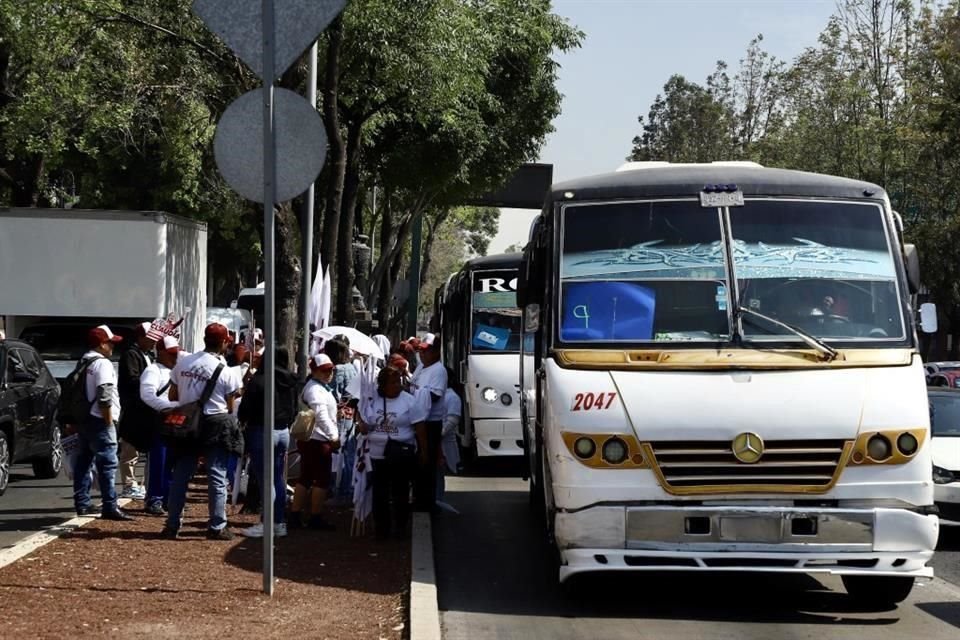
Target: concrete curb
column 424, row 611
column 33, row 542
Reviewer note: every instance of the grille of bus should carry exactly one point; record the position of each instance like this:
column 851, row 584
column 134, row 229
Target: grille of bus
column 786, row 466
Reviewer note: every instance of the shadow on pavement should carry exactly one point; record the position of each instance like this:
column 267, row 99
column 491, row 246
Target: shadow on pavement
column 949, row 612
column 493, row 559
column 949, row 539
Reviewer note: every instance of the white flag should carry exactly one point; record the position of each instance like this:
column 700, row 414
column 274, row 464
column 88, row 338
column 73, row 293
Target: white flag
column 326, row 309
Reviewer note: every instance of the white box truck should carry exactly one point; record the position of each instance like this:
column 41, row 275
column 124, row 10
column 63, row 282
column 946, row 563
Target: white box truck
column 63, row 271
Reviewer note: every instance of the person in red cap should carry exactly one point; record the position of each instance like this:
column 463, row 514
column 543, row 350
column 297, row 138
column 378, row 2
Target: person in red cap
column 219, row 437
column 316, row 454
column 154, row 385
column 98, row 435
column 429, row 384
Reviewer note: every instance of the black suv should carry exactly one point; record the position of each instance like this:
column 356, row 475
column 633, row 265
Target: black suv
column 28, row 403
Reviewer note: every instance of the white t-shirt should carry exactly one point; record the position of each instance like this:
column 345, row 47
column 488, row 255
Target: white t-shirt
column 392, row 419
column 191, row 376
column 153, row 379
column 324, row 405
column 430, row 383
column 100, row 373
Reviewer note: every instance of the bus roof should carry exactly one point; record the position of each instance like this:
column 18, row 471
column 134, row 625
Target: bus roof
column 660, row 180
column 496, row 261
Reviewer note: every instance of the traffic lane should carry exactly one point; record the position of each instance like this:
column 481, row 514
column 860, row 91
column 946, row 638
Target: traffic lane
column 495, row 579
column 946, row 561
column 31, row 505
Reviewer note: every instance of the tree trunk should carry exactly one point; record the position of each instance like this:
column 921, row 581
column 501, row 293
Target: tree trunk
column 288, row 275
column 331, row 117
column 428, row 245
column 345, row 273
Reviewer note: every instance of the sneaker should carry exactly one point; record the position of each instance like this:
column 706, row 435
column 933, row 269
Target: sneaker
column 220, row 534
column 170, row 534
column 256, row 531
column 134, row 493
column 280, row 530
column 155, row 509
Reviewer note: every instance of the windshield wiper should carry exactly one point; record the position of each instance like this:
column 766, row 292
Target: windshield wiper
column 828, row 352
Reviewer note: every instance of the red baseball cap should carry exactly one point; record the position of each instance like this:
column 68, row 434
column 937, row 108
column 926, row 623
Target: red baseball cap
column 98, row 335
column 321, row 362
column 169, row 344
column 216, row 331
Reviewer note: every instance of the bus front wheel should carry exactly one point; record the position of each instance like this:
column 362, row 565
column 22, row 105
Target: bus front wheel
column 878, row 590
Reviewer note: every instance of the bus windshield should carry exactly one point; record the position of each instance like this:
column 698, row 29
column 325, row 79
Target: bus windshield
column 655, row 272
column 495, row 317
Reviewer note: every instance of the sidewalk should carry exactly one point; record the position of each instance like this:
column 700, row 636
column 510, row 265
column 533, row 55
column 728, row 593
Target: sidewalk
column 120, row 580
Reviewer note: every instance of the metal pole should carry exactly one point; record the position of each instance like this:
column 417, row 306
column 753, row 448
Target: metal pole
column 413, row 302
column 269, row 297
column 306, row 234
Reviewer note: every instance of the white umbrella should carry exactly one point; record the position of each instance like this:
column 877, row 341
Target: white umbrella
column 359, row 341
column 316, row 297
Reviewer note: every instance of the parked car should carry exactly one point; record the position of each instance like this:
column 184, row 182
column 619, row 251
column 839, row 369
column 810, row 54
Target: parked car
column 942, row 374
column 29, row 431
column 945, row 440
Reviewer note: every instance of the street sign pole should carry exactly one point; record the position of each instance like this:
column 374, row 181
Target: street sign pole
column 269, row 299
column 307, row 231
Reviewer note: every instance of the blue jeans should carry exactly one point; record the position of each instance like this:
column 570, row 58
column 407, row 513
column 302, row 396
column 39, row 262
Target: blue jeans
column 348, row 454
column 184, row 466
column 98, row 445
column 281, row 442
column 158, row 474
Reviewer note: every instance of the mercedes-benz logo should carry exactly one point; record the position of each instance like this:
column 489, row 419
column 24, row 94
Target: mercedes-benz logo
column 748, row 448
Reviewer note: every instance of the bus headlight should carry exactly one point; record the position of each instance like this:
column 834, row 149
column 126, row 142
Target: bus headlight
column 615, row 451
column 489, row 395
column 907, row 444
column 878, row 448
column 942, row 476
column 506, row 400
column 584, row 447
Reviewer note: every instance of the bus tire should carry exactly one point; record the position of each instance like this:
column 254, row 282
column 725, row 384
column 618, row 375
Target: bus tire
column 883, row 591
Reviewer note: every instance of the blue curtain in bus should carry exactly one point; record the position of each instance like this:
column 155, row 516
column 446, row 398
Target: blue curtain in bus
column 607, row 311
column 487, row 337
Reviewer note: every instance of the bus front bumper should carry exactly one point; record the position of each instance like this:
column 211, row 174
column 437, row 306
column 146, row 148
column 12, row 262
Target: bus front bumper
column 879, row 541
column 498, row 437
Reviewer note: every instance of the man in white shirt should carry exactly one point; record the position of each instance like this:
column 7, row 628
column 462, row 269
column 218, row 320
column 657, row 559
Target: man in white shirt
column 219, row 435
column 98, row 435
column 154, row 385
column 429, row 383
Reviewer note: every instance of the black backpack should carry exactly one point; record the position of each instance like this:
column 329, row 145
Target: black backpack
column 74, row 407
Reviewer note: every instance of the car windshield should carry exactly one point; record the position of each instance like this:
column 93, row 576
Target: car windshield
column 823, row 267
column 655, row 272
column 945, row 415
column 650, row 271
column 67, row 342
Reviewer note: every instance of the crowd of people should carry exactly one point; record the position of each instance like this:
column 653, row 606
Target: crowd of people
column 368, row 429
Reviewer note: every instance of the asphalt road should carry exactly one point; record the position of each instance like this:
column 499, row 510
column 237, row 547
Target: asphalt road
column 494, row 581
column 31, row 505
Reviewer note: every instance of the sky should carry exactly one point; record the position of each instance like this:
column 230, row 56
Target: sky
column 630, row 50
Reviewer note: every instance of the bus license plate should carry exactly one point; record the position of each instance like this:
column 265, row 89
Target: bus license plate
column 715, row 199
column 750, row 529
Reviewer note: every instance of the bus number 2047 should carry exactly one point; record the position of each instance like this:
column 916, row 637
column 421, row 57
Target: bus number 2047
column 588, row 401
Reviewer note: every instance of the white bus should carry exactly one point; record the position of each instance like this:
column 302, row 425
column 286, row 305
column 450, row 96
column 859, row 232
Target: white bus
column 477, row 316
column 724, row 376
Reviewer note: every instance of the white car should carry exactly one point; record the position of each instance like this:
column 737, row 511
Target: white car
column 945, row 427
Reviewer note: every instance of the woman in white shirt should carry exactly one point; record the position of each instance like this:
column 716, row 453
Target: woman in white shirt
column 316, row 453
column 395, row 425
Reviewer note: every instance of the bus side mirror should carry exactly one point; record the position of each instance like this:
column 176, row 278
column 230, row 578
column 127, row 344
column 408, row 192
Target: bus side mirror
column 928, row 317
column 912, row 262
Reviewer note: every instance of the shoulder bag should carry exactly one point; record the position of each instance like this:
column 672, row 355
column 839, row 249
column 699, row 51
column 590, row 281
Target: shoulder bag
column 302, row 427
column 183, row 423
